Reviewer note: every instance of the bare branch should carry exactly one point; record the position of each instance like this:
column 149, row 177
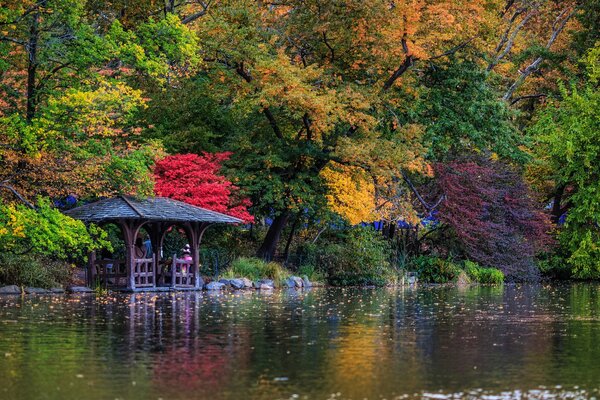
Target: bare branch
column 195, row 16
column 18, row 195
column 529, row 96
column 557, row 28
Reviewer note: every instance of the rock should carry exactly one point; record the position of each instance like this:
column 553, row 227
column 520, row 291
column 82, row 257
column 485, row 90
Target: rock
column 226, row 282
column 264, row 286
column 289, row 283
column 214, row 286
column 298, row 281
column 11, row 289
column 57, row 290
column 247, row 283
column 268, row 282
column 35, row 290
column 305, row 282
column 294, row 282
column 237, row 284
column 79, row 289
column 411, row 278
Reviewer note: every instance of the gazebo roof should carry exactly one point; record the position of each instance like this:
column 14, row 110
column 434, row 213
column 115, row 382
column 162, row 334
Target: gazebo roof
column 152, row 209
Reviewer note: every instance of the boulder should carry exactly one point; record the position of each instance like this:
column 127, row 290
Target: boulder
column 294, row 282
column 36, row 290
column 79, row 289
column 305, row 282
column 298, row 281
column 247, row 283
column 226, row 282
column 57, row 290
column 268, row 282
column 237, row 284
column 214, row 286
column 264, row 286
column 11, row 289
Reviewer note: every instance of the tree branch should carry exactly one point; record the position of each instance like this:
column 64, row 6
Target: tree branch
column 557, row 28
column 11, row 189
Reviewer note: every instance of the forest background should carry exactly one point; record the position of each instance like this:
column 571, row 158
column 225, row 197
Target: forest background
column 357, row 139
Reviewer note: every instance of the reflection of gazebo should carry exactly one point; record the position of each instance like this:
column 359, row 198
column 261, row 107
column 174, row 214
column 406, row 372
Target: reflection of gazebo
column 156, row 215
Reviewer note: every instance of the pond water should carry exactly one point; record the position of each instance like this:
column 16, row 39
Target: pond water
column 538, row 341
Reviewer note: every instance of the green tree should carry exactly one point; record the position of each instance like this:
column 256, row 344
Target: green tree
column 568, row 135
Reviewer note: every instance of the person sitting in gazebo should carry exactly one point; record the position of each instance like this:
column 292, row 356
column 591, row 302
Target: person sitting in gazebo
column 140, row 249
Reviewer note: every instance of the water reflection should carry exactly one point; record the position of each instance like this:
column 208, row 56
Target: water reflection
column 345, row 343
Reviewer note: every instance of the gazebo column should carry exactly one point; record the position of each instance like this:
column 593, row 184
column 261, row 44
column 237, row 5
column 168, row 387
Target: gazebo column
column 129, row 232
column 156, row 231
column 197, row 230
column 91, row 268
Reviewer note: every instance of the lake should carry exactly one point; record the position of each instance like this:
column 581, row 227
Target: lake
column 530, row 341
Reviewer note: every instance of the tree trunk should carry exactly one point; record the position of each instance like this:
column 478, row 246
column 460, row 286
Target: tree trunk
column 32, row 66
column 286, row 252
column 269, row 245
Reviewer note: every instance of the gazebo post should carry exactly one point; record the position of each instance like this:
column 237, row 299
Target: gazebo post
column 128, row 232
column 91, row 268
column 197, row 232
column 156, row 229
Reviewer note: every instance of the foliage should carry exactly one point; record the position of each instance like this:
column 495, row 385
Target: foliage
column 568, row 133
column 350, row 193
column 47, row 232
column 483, row 275
column 255, row 269
column 462, row 112
column 494, row 215
column 360, row 258
column 195, row 180
column 34, row 271
column 435, row 269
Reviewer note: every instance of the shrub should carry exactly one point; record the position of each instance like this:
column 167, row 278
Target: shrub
column 435, row 269
column 35, row 271
column 483, row 275
column 255, row 269
column 362, row 258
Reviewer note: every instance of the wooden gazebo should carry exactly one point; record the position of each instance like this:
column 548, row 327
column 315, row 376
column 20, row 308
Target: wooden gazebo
column 156, row 215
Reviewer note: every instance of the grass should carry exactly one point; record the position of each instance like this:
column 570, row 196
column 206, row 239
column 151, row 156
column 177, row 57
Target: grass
column 255, row 269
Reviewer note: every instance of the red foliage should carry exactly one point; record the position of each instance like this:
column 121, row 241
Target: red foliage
column 494, row 215
column 195, row 180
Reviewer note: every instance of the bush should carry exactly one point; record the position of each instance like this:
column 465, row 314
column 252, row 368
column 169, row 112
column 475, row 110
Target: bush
column 362, row 258
column 255, row 269
column 435, row 269
column 34, row 271
column 483, row 275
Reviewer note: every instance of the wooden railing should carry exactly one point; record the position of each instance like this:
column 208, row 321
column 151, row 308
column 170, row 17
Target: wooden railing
column 143, row 272
column 111, row 272
column 181, row 273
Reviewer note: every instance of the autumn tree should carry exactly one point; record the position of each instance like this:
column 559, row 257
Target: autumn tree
column 494, row 215
column 196, row 180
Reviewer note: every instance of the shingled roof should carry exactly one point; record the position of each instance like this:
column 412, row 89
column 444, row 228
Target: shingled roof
column 152, row 209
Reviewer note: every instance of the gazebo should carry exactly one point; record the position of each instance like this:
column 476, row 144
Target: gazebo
column 156, row 215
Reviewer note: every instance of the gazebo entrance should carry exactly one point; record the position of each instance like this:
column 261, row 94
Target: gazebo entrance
column 156, row 216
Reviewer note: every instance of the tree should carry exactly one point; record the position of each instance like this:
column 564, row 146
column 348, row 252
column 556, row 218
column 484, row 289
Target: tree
column 195, row 180
column 319, row 82
column 494, row 215
column 567, row 134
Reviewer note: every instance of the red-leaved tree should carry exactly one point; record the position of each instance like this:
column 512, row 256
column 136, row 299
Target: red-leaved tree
column 494, row 215
column 195, row 179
